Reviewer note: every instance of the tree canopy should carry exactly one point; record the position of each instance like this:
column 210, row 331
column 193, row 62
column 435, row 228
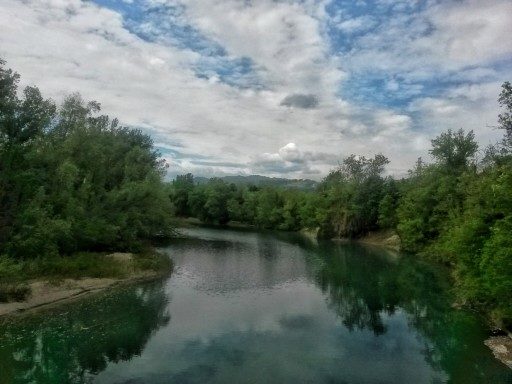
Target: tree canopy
column 73, row 179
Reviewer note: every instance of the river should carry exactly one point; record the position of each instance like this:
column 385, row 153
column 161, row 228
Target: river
column 248, row 307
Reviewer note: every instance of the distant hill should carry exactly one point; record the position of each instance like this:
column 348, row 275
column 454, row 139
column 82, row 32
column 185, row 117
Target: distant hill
column 264, row 181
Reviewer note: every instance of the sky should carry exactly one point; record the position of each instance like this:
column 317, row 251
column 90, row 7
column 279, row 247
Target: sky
column 282, row 88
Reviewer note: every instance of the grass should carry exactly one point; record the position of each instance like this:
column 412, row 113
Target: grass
column 14, row 274
column 152, row 261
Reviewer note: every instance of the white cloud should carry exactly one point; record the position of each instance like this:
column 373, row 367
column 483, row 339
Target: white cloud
column 467, row 106
column 356, row 24
column 449, row 36
column 291, row 153
column 471, row 33
column 65, row 46
column 283, row 38
column 293, row 161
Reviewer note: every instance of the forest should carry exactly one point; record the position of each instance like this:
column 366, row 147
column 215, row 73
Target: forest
column 74, row 180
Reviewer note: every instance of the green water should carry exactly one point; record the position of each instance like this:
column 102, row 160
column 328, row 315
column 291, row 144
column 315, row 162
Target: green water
column 245, row 307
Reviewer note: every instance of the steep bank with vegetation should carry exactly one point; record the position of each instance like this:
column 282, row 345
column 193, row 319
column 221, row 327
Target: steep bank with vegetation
column 74, row 185
column 456, row 210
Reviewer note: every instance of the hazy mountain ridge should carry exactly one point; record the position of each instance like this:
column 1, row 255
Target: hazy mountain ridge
column 264, row 181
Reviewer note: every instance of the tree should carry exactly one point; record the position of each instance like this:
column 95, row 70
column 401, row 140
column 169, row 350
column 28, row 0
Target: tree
column 182, row 186
column 354, row 192
column 505, row 118
column 388, row 205
column 435, row 193
column 454, row 150
column 22, row 122
column 269, row 211
column 72, row 179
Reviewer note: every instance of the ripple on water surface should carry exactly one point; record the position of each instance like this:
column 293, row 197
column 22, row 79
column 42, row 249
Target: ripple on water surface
column 247, row 307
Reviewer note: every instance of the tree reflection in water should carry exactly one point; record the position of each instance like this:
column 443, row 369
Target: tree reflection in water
column 365, row 285
column 79, row 340
column 251, row 308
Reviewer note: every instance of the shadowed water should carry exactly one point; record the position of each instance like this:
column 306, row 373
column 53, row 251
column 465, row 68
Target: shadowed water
column 246, row 307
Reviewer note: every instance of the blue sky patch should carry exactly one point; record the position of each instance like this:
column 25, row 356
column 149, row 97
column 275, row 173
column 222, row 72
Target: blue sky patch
column 166, row 24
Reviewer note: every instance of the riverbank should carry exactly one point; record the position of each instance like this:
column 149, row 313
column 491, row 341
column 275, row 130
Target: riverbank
column 382, row 238
column 44, row 283
column 386, row 238
column 191, row 222
column 501, row 347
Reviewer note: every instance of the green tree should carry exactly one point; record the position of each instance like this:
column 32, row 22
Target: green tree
column 269, row 211
column 182, row 186
column 454, row 150
column 354, row 192
column 388, row 205
column 505, row 118
column 72, row 179
column 434, row 194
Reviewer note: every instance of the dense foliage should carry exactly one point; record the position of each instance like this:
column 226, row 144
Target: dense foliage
column 218, row 202
column 72, row 179
column 353, row 199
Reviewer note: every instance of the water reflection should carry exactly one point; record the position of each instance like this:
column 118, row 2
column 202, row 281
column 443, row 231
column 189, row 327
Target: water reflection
column 71, row 345
column 366, row 286
column 262, row 308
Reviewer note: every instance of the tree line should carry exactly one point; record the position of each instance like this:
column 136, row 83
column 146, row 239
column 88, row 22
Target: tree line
column 72, row 179
column 456, row 210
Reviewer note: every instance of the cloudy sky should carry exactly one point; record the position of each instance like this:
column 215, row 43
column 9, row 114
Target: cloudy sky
column 272, row 87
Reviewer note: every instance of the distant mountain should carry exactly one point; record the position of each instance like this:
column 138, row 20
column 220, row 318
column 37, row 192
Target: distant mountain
column 264, row 181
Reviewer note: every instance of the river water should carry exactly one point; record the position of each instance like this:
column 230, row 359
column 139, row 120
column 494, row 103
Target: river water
column 248, row 307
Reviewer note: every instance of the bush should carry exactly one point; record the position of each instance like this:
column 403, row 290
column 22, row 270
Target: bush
column 153, row 261
column 496, row 270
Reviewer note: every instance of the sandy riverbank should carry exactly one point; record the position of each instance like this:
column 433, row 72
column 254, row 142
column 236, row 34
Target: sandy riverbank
column 387, row 239
column 501, row 347
column 46, row 292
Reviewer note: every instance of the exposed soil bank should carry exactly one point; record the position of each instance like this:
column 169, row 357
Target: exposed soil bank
column 501, row 347
column 388, row 239
column 45, row 293
column 310, row 233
